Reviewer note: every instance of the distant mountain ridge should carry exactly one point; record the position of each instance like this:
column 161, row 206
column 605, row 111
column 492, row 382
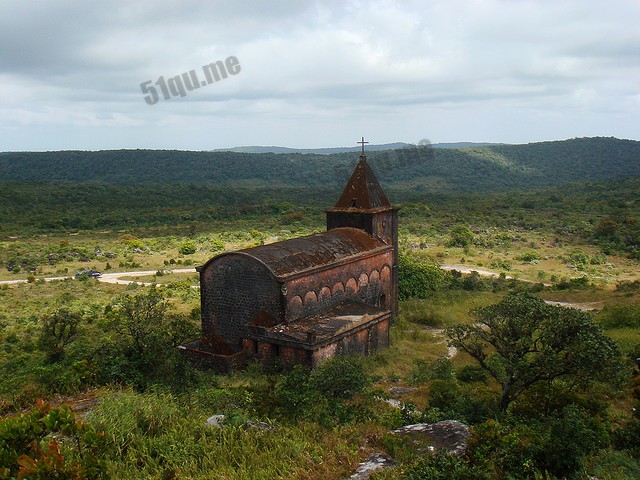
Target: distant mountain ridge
column 330, row 150
column 469, row 169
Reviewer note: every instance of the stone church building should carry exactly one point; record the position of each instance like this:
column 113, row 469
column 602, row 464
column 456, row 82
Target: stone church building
column 306, row 299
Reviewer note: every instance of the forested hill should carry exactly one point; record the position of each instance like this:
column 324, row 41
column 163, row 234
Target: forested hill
column 497, row 167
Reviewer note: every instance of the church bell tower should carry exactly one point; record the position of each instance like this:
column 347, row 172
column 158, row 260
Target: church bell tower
column 364, row 205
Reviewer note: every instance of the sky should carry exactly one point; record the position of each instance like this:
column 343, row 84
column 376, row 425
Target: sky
column 310, row 74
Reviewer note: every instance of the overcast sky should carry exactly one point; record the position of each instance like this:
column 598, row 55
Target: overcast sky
column 316, row 73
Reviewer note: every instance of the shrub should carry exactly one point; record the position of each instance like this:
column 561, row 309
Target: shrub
column 29, row 449
column 58, row 329
column 440, row 369
column 529, row 257
column 472, row 373
column 340, row 377
column 443, row 394
column 417, row 279
column 628, row 286
column 460, row 236
column 188, row 248
column 620, row 316
column 445, row 466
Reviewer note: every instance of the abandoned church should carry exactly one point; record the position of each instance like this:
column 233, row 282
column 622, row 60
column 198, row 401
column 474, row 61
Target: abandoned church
column 306, row 299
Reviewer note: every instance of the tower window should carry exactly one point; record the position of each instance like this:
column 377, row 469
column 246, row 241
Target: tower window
column 353, row 202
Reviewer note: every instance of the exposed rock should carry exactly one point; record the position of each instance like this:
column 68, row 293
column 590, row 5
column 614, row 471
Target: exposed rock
column 215, row 421
column 398, row 391
column 448, row 434
column 374, row 462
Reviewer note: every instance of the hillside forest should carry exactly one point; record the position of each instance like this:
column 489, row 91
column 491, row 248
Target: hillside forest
column 519, row 316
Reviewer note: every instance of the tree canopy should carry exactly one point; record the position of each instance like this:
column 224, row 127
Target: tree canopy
column 522, row 341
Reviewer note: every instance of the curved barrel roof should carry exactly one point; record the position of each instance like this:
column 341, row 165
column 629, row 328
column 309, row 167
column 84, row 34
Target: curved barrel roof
column 293, row 256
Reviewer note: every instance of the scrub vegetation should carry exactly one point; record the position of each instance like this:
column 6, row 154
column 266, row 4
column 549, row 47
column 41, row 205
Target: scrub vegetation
column 92, row 384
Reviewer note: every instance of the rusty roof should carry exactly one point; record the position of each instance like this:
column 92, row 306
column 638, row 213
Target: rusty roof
column 363, row 192
column 313, row 251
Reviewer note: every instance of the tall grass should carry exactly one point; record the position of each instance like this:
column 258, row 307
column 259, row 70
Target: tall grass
column 154, row 435
column 446, row 308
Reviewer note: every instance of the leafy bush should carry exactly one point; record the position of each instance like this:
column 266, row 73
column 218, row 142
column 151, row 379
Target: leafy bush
column 58, row 329
column 472, row 373
column 188, row 248
column 620, row 316
column 445, row 466
column 628, row 286
column 417, row 279
column 529, row 257
column 340, row 377
column 555, row 446
column 460, row 236
column 321, row 395
column 423, row 371
column 581, row 283
column 443, row 394
column 29, row 449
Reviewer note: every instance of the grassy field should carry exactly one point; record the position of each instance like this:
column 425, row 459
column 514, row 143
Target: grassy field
column 155, row 426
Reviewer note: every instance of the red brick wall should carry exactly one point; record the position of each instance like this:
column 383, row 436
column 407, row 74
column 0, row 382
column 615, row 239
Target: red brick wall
column 364, row 280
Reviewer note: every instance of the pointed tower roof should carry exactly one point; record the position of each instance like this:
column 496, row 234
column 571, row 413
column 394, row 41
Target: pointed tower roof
column 363, row 192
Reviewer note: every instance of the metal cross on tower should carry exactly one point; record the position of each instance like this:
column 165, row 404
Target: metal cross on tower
column 362, row 155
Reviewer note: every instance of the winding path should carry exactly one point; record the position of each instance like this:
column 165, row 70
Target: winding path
column 114, row 277
column 485, row 273
column 120, row 279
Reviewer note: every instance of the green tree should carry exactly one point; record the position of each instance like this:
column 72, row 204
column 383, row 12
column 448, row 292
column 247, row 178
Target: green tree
column 138, row 318
column 460, row 236
column 522, row 341
column 143, row 350
column 58, row 329
column 417, row 279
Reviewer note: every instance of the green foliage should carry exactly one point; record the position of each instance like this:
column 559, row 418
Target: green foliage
column 188, row 248
column 472, row 373
column 557, row 445
column 522, row 341
column 460, row 236
column 531, row 257
column 340, row 377
column 59, row 328
column 321, row 395
column 447, row 399
column 440, row 369
column 415, row 209
column 417, row 279
column 28, row 451
column 144, row 350
column 445, row 466
column 620, row 316
column 138, row 318
column 628, row 286
column 476, row 169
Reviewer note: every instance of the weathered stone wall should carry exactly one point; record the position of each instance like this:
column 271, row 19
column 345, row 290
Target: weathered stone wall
column 380, row 224
column 364, row 342
column 234, row 289
column 367, row 280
